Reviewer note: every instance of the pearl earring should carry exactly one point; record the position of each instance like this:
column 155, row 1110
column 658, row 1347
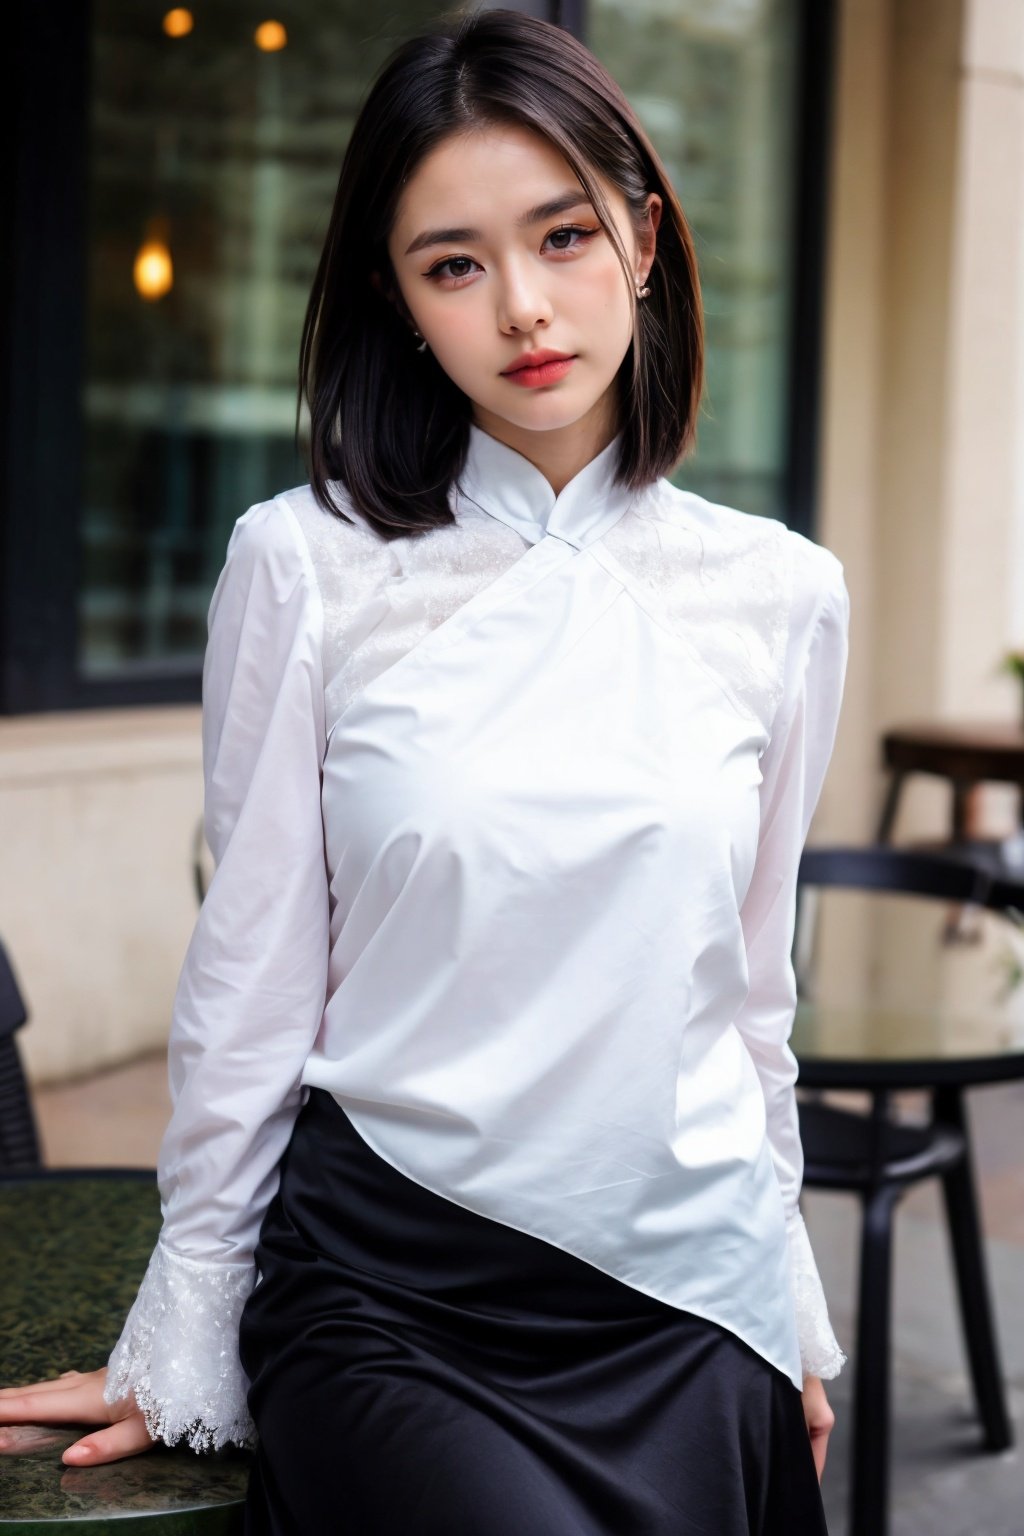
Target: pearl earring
column 641, row 293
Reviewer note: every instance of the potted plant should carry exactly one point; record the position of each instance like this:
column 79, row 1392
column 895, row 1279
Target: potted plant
column 1013, row 662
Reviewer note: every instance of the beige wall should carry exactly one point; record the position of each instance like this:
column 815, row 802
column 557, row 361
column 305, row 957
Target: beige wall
column 921, row 456
column 98, row 811
column 985, row 411
column 922, row 476
column 924, row 376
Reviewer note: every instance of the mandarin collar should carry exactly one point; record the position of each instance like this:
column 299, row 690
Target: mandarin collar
column 502, row 482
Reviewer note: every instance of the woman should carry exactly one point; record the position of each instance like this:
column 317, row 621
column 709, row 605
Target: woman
column 479, row 1053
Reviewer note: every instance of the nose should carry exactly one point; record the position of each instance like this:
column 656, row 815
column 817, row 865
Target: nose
column 523, row 303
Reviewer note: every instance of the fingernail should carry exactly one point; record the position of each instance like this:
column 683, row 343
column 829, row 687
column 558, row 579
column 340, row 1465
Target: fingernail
column 79, row 1452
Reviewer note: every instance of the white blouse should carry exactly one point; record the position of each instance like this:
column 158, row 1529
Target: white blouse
column 506, row 820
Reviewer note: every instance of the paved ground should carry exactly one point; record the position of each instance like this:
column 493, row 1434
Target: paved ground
column 942, row 1483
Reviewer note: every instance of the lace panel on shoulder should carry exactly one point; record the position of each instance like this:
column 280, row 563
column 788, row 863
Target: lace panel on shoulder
column 722, row 580
column 381, row 597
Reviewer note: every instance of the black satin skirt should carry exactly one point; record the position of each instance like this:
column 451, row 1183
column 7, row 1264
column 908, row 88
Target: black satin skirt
column 419, row 1370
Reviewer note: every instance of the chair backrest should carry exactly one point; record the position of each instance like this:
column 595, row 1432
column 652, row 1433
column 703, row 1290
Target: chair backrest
column 901, row 871
column 893, row 871
column 13, row 1013
column 19, row 1138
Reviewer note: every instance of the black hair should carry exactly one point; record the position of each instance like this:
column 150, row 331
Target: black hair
column 386, row 421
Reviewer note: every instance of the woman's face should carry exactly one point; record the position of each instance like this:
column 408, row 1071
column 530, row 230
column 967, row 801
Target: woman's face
column 484, row 284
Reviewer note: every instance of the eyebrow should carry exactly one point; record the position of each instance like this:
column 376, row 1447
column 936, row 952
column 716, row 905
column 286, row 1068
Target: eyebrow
column 574, row 198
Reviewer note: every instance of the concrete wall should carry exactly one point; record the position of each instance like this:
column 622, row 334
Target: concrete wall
column 922, row 460
column 98, row 811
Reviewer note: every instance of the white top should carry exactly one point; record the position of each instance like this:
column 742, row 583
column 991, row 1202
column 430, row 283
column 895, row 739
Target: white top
column 506, row 820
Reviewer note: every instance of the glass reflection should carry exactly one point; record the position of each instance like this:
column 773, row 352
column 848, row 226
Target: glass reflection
column 215, row 140
column 715, row 84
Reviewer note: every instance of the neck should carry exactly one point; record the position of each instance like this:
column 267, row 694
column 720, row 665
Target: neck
column 560, row 452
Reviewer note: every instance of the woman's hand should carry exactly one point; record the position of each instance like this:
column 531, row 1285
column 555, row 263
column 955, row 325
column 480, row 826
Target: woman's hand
column 819, row 1419
column 76, row 1397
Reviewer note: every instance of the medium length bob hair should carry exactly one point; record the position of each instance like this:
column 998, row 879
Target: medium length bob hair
column 386, row 421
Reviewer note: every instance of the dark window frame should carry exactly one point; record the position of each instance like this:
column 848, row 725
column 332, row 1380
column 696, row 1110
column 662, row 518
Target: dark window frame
column 43, row 267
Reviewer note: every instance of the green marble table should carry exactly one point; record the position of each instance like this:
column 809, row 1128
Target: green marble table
column 73, row 1248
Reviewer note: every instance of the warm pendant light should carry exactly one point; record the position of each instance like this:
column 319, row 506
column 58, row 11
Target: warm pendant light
column 153, row 269
column 270, row 37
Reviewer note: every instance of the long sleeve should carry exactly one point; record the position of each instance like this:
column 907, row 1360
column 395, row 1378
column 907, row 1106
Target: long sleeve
column 793, row 770
column 252, row 988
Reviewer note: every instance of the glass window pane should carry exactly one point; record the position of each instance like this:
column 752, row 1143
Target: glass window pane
column 214, row 154
column 215, row 145
column 715, row 84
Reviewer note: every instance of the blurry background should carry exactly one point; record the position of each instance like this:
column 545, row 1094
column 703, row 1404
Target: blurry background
column 172, row 184
column 854, row 174
column 211, row 151
column 853, row 171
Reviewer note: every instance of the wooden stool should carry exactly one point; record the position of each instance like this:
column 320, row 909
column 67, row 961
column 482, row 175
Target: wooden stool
column 967, row 754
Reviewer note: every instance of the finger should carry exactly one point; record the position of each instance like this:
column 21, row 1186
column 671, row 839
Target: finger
column 128, row 1437
column 51, row 1384
column 80, row 1403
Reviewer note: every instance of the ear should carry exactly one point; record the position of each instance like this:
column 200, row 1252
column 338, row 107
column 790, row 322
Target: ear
column 648, row 240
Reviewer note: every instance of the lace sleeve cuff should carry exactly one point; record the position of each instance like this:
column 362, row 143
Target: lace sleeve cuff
column 820, row 1354
column 178, row 1352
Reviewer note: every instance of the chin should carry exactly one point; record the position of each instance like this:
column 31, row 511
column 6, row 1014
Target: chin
column 545, row 411
column 544, row 421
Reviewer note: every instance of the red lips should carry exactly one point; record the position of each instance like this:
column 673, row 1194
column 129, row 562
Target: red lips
column 534, row 359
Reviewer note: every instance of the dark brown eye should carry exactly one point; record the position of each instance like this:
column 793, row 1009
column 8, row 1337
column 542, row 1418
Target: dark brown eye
column 572, row 229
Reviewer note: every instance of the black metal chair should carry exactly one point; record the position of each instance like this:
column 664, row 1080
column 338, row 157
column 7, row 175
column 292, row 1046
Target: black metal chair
column 19, row 1137
column 878, row 1158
